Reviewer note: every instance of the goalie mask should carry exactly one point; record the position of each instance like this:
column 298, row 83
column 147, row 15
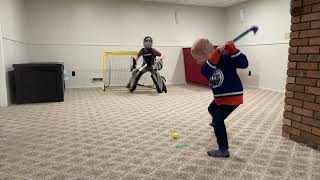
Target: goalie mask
column 147, row 42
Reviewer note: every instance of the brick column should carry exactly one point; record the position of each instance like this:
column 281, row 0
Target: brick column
column 302, row 104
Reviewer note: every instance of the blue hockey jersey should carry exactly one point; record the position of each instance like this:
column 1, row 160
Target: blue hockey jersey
column 224, row 79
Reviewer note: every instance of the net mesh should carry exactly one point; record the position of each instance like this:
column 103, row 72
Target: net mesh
column 117, row 69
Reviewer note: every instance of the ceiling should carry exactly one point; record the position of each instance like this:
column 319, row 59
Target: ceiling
column 209, row 3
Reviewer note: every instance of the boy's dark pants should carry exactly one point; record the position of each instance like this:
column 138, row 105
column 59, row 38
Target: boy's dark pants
column 219, row 113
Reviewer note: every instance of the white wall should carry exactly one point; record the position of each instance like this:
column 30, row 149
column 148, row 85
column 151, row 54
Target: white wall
column 13, row 21
column 3, row 88
column 268, row 50
column 77, row 32
column 12, row 18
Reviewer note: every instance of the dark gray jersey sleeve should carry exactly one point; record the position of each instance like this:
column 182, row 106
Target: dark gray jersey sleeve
column 140, row 53
column 156, row 52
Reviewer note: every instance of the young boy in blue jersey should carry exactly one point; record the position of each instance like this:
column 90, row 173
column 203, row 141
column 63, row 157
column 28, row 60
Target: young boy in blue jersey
column 220, row 66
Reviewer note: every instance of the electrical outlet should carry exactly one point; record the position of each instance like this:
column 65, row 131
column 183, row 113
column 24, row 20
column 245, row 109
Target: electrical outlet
column 73, row 73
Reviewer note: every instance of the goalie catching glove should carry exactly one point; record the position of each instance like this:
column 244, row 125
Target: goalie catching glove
column 158, row 64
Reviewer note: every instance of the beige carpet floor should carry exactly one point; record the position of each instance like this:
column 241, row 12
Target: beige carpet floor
column 118, row 135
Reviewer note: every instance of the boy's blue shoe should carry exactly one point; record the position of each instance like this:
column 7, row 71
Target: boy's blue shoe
column 219, row 153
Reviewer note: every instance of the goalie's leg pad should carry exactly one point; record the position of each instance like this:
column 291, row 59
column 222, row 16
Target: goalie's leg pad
column 158, row 81
column 136, row 75
column 164, row 89
column 132, row 78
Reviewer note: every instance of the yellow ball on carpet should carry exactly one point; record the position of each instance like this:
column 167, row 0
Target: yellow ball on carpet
column 175, row 135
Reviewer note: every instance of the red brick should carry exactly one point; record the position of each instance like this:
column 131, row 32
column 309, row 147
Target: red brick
column 311, row 106
column 315, row 24
column 299, row 57
column 305, row 140
column 306, row 81
column 300, row 26
column 296, row 3
column 287, row 122
column 297, row 73
column 297, row 11
column 292, row 116
column 291, row 80
column 305, row 97
column 314, row 41
column 286, row 128
column 291, row 130
column 289, row 94
column 301, row 126
column 307, row 66
column 295, row 88
column 288, row 107
column 313, row 74
column 307, row 9
column 294, row 35
column 311, row 121
column 293, row 50
column 309, row 50
column 294, row 102
column 315, row 131
column 295, row 19
column 316, row 115
column 295, row 131
column 304, row 112
column 292, row 65
column 299, row 42
column 308, row 2
column 311, row 58
column 315, row 7
column 310, row 33
column 313, row 90
column 286, row 135
column 310, row 17
column 311, row 138
column 302, row 123
column 298, row 139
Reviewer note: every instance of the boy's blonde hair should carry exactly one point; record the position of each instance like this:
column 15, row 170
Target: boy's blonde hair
column 201, row 46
